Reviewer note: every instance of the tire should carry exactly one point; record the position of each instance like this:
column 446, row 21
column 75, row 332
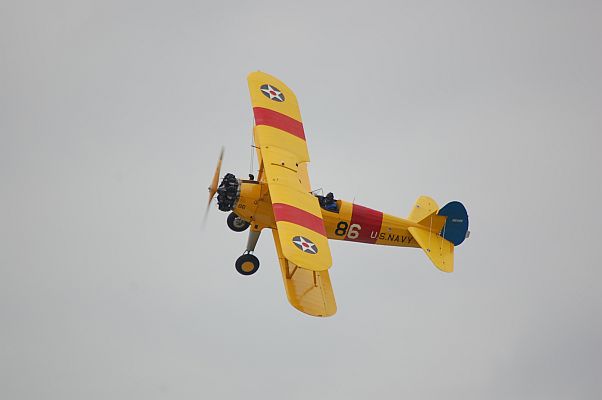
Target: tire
column 247, row 264
column 236, row 223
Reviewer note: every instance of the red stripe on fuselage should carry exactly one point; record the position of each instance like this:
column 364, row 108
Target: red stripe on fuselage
column 264, row 116
column 370, row 222
column 288, row 213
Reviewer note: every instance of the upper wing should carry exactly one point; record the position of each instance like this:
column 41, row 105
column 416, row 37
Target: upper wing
column 308, row 291
column 275, row 106
column 282, row 149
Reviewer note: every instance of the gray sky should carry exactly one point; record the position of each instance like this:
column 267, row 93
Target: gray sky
column 111, row 118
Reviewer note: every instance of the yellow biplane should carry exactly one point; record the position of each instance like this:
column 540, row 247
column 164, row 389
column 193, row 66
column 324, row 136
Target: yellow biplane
column 302, row 222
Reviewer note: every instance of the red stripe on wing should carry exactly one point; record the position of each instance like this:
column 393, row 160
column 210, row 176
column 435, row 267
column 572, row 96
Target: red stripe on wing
column 370, row 221
column 288, row 213
column 265, row 116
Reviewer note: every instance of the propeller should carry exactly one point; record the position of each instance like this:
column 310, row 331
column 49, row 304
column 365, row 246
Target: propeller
column 213, row 186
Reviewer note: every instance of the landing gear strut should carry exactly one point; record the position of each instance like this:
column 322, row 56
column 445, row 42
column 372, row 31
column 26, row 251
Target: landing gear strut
column 248, row 264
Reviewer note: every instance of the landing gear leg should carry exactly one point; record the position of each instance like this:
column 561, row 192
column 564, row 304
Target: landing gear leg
column 252, row 241
column 248, row 264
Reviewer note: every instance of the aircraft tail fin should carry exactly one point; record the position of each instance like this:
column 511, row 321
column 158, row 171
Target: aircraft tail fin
column 456, row 225
column 441, row 230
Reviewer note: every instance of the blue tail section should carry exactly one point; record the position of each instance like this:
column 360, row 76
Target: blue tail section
column 456, row 226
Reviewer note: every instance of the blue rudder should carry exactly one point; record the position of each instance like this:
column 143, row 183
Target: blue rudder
column 455, row 229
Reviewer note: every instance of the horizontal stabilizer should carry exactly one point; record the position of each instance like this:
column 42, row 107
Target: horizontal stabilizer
column 423, row 208
column 439, row 250
column 424, row 213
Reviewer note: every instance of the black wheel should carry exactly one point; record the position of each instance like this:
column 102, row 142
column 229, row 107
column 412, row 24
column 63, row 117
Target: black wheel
column 247, row 264
column 236, row 223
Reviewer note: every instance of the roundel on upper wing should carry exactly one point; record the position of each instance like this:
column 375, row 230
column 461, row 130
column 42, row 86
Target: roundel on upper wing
column 305, row 245
column 272, row 93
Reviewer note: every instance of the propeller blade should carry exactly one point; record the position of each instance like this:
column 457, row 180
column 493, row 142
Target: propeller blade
column 213, row 186
column 206, row 213
column 215, row 181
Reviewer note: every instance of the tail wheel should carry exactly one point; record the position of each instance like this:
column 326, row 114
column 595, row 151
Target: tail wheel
column 247, row 264
column 236, row 223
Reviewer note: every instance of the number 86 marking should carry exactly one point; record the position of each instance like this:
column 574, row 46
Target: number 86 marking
column 353, row 233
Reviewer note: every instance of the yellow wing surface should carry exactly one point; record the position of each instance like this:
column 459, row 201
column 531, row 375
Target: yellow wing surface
column 280, row 137
column 300, row 238
column 308, row 291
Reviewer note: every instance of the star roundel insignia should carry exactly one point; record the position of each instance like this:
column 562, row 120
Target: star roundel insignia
column 272, row 93
column 305, row 245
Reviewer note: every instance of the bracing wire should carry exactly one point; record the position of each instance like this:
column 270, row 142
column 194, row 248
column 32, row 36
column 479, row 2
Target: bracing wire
column 251, row 171
column 430, row 233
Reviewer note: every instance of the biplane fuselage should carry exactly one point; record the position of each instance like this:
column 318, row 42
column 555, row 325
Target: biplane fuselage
column 352, row 222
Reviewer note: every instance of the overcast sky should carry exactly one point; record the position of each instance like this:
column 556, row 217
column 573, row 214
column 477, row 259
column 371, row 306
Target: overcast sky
column 112, row 115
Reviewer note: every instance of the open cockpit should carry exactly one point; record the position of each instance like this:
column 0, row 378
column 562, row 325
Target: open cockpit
column 328, row 202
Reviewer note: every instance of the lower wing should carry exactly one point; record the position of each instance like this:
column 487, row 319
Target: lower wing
column 308, row 291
